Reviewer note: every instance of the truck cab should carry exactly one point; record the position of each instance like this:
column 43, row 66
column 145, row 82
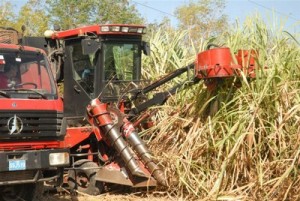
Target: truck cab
column 31, row 123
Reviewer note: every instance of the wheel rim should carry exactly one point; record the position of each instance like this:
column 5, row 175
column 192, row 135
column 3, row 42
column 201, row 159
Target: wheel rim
column 82, row 180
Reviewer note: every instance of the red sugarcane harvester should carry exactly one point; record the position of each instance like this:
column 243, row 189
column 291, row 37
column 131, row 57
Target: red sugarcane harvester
column 100, row 66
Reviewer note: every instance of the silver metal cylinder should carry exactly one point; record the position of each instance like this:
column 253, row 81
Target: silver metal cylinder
column 126, row 153
column 144, row 153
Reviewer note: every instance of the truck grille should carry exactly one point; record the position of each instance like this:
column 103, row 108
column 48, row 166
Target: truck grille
column 30, row 124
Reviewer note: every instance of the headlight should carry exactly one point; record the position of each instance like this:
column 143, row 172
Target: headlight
column 140, row 30
column 132, row 30
column 125, row 29
column 115, row 28
column 59, row 159
column 48, row 33
column 105, row 28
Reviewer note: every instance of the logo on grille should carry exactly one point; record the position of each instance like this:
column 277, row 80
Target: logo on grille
column 15, row 125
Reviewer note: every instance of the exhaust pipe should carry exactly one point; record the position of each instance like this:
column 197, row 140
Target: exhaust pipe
column 98, row 111
column 140, row 147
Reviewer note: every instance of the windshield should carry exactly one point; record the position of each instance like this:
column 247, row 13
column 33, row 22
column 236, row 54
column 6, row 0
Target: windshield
column 25, row 72
column 119, row 67
column 121, row 63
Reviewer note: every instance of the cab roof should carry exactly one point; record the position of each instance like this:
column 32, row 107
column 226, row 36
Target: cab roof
column 105, row 29
column 20, row 47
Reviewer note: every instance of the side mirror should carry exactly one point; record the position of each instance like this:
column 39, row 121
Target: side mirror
column 90, row 46
column 146, row 48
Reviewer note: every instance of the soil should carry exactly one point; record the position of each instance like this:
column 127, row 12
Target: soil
column 108, row 197
column 51, row 194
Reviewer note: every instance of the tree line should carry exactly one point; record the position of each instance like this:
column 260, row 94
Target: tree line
column 201, row 18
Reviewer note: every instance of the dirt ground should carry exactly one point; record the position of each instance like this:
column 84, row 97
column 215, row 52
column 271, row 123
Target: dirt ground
column 106, row 197
column 64, row 195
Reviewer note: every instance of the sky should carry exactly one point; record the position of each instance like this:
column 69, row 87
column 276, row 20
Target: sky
column 285, row 11
column 273, row 11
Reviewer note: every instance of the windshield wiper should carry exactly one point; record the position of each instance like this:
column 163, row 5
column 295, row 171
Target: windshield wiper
column 4, row 94
column 31, row 90
column 39, row 93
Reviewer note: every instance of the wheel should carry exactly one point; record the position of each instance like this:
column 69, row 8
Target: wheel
column 27, row 83
column 21, row 192
column 83, row 178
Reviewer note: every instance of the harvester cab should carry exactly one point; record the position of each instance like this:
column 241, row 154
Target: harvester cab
column 99, row 62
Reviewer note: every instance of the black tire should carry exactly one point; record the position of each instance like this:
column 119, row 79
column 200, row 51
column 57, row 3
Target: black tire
column 83, row 180
column 21, row 192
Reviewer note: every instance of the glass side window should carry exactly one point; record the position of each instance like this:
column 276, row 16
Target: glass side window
column 83, row 68
column 122, row 66
column 25, row 71
column 119, row 61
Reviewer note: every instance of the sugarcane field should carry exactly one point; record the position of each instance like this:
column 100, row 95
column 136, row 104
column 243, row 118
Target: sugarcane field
column 166, row 100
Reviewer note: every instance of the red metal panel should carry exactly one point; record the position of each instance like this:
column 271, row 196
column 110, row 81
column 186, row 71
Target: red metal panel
column 77, row 32
column 215, row 62
column 33, row 104
column 29, row 145
column 96, row 29
column 246, row 58
column 75, row 135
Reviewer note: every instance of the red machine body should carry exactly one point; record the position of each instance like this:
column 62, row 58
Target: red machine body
column 218, row 62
